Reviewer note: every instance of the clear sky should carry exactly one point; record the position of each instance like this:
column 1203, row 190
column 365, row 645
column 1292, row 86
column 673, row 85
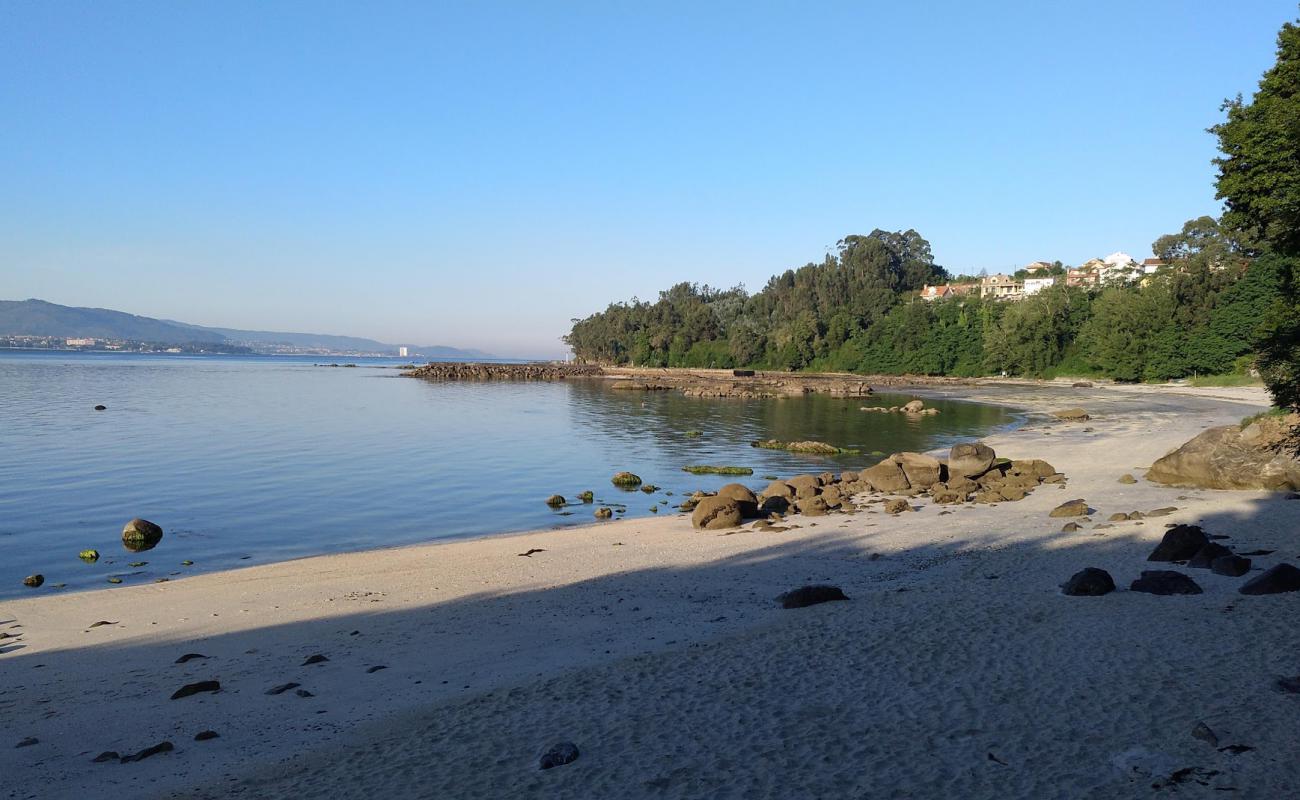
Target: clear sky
column 477, row 173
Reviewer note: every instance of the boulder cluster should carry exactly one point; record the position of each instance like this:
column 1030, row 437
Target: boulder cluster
column 1188, row 545
column 911, row 407
column 972, row 473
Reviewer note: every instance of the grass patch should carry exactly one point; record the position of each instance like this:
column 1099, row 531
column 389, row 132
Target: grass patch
column 709, row 469
column 1211, row 381
column 1272, row 412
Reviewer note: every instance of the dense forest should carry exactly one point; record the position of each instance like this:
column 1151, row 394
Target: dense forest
column 1228, row 303
column 858, row 310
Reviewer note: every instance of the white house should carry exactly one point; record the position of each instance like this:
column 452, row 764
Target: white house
column 1036, row 285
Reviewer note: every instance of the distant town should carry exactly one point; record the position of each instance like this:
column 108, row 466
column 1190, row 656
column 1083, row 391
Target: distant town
column 1116, row 269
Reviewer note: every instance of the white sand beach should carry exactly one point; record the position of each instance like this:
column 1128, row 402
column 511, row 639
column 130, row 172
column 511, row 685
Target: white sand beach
column 957, row 669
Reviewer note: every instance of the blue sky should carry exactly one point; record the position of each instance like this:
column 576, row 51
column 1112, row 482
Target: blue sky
column 478, row 173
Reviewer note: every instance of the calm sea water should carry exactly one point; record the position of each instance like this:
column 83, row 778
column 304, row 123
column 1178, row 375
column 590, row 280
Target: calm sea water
column 246, row 460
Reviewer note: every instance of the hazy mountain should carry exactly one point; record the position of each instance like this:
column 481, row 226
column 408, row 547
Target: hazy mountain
column 39, row 318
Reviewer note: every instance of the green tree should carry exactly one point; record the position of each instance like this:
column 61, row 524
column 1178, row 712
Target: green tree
column 1259, row 182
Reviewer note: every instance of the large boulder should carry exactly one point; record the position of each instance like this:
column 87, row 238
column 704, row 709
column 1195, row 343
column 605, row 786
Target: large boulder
column 1035, row 468
column 812, row 506
column 743, row 496
column 806, row 596
column 1275, row 580
column 1089, row 582
column 887, row 476
column 1164, row 581
column 969, row 460
column 141, row 534
column 805, row 483
column 715, row 513
column 913, row 407
column 1260, row 456
column 1180, row 543
column 1206, row 556
column 921, row 471
column 779, row 489
column 1232, row 566
column 1071, row 508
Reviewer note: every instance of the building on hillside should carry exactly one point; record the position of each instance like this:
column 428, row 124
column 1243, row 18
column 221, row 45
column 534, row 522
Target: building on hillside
column 1084, row 276
column 1151, row 266
column 931, row 293
column 1037, row 267
column 81, row 342
column 1035, row 285
column 1001, row 287
column 963, row 289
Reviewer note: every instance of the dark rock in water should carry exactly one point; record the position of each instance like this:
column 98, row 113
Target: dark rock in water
column 303, row 693
column 1071, row 508
column 1236, row 749
column 107, row 755
column 189, row 657
column 1180, row 543
column 375, row 669
column 141, row 534
column 603, row 513
column 1232, row 566
column 1274, row 580
column 282, row 688
column 555, row 500
column 101, row 408
column 1164, row 582
column 314, row 659
column 1089, row 582
column 28, row 742
column 34, row 581
column 161, row 747
column 558, row 755
column 810, row 596
column 587, row 497
column 203, row 736
column 1205, row 557
column 195, row 688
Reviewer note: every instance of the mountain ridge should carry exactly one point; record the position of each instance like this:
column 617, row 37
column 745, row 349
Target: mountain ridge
column 34, row 317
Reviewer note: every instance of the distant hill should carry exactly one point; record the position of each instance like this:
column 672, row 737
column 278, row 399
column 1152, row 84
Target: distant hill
column 40, row 318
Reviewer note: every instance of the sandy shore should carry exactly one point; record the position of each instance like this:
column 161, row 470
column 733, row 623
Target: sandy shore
column 956, row 670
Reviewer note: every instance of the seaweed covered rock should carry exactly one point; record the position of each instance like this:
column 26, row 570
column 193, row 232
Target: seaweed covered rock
column 626, row 480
